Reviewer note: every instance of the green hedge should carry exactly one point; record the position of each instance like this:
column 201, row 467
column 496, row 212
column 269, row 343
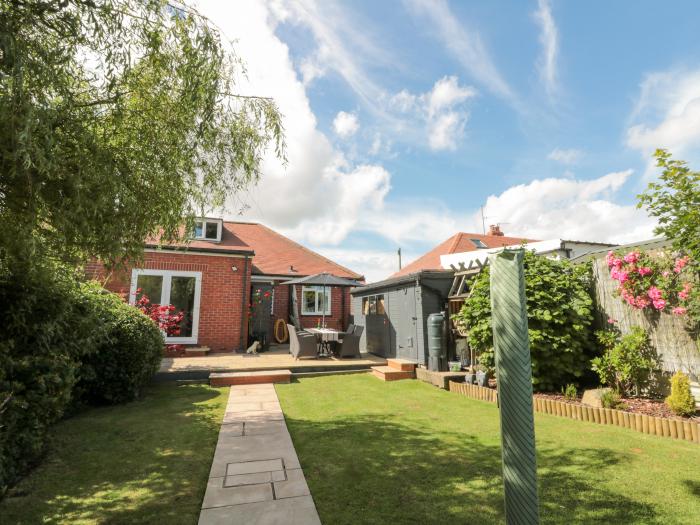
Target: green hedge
column 129, row 355
column 62, row 342
column 46, row 330
column 560, row 318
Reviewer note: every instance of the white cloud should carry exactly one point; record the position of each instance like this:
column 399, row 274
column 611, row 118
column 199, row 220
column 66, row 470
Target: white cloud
column 464, row 43
column 342, row 46
column 442, row 109
column 571, row 209
column 565, row 156
column 375, row 265
column 549, row 38
column 319, row 195
column 310, row 70
column 345, row 124
column 667, row 113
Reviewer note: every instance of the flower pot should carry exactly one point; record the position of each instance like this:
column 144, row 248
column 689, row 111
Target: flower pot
column 470, row 378
column 482, row 378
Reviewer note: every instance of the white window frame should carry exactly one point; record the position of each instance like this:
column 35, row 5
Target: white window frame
column 205, row 221
column 319, row 291
column 164, row 298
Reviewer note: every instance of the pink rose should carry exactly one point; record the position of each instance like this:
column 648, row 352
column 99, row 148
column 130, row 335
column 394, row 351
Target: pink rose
column 665, row 273
column 622, row 276
column 644, row 270
column 659, row 304
column 609, row 258
column 611, row 320
column 679, row 310
column 683, row 295
column 654, row 293
column 641, row 302
column 680, row 264
column 631, row 257
column 614, row 273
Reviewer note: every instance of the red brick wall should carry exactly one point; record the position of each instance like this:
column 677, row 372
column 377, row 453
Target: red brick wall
column 340, row 313
column 222, row 295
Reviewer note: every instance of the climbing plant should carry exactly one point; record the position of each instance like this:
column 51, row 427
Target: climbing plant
column 560, row 317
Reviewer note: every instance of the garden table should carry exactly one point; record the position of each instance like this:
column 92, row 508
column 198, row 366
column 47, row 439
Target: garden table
column 325, row 337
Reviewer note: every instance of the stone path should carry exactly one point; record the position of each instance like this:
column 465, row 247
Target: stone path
column 255, row 476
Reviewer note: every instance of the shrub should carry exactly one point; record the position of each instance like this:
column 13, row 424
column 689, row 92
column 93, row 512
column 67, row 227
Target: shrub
column 126, row 358
column 560, row 316
column 46, row 330
column 627, row 362
column 611, row 399
column 570, row 392
column 681, row 400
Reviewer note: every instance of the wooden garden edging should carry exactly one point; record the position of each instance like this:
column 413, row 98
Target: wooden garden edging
column 658, row 426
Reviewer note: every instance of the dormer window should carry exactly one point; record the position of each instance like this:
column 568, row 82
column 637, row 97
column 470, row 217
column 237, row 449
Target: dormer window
column 208, row 229
column 478, row 243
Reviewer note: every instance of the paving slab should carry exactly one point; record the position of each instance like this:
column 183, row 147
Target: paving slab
column 289, row 511
column 255, row 475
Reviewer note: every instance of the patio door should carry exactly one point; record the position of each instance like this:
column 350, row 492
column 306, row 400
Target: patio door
column 262, row 304
column 166, row 287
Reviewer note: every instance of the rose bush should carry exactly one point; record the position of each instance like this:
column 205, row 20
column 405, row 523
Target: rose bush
column 654, row 283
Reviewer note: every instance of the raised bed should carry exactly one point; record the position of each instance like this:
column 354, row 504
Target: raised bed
column 685, row 429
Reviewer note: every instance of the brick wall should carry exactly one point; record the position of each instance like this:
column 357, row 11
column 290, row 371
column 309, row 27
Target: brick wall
column 340, row 312
column 222, row 297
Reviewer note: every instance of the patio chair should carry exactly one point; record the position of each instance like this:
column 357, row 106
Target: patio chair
column 350, row 345
column 301, row 344
column 350, row 330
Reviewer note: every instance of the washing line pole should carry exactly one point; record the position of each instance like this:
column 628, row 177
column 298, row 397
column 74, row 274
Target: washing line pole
column 514, row 371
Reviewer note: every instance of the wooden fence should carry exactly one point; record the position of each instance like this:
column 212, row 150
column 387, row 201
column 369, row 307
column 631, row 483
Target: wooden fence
column 667, row 332
column 659, row 426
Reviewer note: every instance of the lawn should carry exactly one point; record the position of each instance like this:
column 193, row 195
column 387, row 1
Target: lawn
column 406, row 452
column 142, row 462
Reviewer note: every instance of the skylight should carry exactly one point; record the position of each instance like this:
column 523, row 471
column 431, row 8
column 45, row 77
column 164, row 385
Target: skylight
column 478, row 243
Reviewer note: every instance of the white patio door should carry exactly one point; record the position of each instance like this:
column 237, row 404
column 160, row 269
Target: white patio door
column 180, row 289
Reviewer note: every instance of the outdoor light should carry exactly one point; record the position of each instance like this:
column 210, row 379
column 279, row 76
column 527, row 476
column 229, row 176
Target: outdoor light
column 234, row 268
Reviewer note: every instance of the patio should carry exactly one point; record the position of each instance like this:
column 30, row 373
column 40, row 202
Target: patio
column 278, row 357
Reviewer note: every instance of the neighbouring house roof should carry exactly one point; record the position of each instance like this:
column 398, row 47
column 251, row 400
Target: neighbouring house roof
column 273, row 253
column 458, row 243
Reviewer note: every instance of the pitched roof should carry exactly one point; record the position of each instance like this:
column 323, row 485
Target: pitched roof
column 458, row 243
column 274, row 254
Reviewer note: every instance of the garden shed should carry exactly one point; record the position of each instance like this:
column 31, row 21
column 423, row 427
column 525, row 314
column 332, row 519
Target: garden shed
column 394, row 313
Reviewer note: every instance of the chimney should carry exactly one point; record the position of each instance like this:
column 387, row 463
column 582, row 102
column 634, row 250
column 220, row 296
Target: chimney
column 495, row 230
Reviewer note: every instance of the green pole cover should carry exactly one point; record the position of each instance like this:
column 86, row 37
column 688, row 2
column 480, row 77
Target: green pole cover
column 514, row 372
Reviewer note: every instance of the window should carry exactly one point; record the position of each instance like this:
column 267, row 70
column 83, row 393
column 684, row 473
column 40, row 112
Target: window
column 314, row 301
column 181, row 289
column 478, row 243
column 373, row 304
column 208, row 229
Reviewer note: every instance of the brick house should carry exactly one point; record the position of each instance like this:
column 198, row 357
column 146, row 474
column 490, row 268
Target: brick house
column 214, row 276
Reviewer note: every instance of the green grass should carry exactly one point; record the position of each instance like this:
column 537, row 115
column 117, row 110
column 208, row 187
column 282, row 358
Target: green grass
column 142, row 462
column 406, row 452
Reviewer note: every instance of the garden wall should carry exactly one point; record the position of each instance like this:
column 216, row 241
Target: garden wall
column 667, row 332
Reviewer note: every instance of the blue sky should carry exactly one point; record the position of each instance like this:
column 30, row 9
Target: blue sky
column 403, row 118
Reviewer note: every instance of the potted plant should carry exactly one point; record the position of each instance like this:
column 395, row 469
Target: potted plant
column 470, row 378
column 482, row 376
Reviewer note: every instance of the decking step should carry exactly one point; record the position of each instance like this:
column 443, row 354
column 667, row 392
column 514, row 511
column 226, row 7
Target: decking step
column 405, row 365
column 250, row 378
column 196, row 351
column 387, row 373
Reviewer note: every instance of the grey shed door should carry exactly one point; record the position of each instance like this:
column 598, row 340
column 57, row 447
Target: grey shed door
column 406, row 340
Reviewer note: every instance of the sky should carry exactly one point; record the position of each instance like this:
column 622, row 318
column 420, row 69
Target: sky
column 404, row 119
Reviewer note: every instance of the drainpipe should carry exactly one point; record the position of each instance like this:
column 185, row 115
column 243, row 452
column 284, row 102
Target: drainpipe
column 246, row 298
